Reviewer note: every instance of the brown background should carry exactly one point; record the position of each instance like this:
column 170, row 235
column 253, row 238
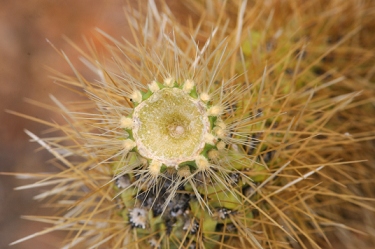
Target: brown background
column 24, row 52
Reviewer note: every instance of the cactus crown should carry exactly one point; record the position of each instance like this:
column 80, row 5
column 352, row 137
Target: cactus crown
column 173, row 126
column 170, row 127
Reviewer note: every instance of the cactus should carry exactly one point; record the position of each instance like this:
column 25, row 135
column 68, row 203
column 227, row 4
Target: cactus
column 225, row 143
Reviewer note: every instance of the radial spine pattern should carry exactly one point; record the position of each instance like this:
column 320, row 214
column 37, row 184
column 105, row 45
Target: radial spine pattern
column 222, row 132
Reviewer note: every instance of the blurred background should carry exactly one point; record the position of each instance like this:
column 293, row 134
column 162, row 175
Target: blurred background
column 24, row 53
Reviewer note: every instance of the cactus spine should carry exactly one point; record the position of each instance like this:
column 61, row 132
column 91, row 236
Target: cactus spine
column 224, row 140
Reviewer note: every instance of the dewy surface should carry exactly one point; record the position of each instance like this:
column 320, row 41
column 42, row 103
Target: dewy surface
column 170, row 126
